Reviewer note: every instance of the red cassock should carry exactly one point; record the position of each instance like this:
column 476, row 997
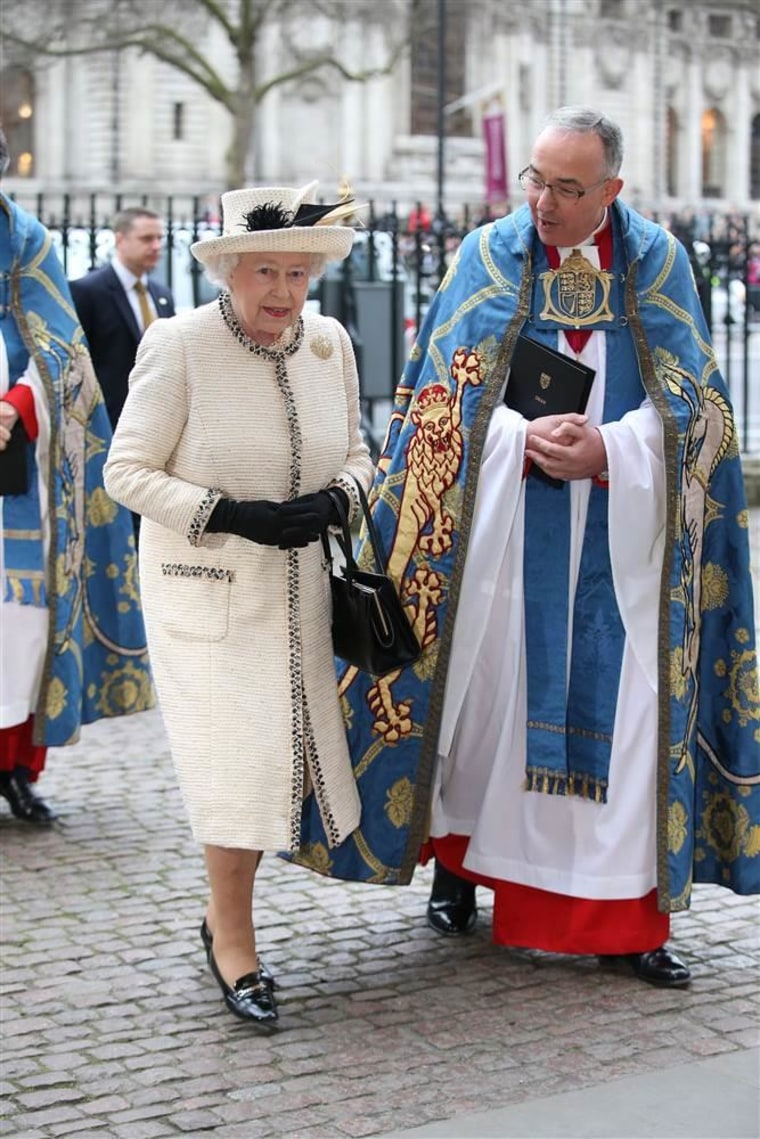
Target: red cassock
column 539, row 919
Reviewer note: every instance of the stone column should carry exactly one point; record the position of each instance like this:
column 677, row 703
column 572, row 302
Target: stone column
column 692, row 107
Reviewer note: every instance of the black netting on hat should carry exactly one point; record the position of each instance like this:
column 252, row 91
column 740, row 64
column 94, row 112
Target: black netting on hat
column 269, row 215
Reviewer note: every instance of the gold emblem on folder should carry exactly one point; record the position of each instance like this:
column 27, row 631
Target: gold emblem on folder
column 544, row 380
column 577, row 294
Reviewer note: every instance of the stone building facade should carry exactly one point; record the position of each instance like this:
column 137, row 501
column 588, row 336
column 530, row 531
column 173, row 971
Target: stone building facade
column 682, row 77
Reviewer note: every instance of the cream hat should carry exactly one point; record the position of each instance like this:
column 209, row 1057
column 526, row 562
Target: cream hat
column 279, row 219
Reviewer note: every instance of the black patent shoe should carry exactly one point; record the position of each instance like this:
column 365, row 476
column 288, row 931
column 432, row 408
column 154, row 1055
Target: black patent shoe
column 23, row 801
column 207, row 938
column 251, row 998
column 657, row 967
column 452, row 909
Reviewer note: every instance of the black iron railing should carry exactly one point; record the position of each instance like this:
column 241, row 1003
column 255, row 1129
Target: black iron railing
column 382, row 292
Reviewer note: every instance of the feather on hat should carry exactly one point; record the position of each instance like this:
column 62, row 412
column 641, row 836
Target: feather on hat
column 279, row 219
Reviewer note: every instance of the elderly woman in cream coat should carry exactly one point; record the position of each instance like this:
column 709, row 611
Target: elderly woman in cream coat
column 240, row 428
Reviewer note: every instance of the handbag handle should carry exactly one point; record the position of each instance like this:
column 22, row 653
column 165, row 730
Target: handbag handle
column 378, row 550
column 346, row 544
column 344, row 538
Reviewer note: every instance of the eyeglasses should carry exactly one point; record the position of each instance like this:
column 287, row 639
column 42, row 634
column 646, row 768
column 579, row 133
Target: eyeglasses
column 533, row 183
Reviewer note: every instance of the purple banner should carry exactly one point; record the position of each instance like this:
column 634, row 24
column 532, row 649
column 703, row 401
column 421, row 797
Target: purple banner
column 496, row 162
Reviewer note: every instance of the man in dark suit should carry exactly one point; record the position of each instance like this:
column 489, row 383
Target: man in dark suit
column 115, row 304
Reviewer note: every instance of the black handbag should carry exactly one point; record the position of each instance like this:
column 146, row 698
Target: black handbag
column 370, row 627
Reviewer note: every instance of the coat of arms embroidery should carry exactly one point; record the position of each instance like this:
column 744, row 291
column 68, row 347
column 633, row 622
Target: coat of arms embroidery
column 577, row 294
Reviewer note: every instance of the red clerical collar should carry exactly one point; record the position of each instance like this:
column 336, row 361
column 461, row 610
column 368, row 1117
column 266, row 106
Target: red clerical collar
column 603, row 240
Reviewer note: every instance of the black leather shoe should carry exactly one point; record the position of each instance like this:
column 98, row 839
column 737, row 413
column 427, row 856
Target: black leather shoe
column 452, row 909
column 657, row 967
column 23, row 801
column 251, row 998
column 208, row 940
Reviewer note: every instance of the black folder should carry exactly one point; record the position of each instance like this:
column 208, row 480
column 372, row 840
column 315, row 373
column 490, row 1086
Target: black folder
column 543, row 381
column 14, row 475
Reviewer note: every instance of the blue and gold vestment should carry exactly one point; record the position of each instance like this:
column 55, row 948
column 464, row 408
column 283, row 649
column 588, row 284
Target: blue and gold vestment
column 96, row 662
column 657, row 345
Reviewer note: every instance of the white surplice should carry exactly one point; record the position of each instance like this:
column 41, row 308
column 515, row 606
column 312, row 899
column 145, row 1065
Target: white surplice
column 563, row 844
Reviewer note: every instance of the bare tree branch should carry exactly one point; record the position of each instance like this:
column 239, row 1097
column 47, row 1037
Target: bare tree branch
column 309, row 66
column 155, row 41
column 217, row 13
column 105, row 25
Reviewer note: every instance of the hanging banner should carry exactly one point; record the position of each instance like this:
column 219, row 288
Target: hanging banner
column 496, row 162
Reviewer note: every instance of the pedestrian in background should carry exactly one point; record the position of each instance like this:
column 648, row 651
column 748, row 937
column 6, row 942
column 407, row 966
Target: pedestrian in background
column 241, row 424
column 72, row 642
column 419, row 219
column 117, row 302
column 581, row 733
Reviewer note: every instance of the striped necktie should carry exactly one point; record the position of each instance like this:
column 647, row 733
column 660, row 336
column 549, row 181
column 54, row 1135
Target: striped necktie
column 146, row 312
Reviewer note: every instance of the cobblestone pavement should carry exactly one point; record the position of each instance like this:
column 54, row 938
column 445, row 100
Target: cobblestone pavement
column 113, row 1026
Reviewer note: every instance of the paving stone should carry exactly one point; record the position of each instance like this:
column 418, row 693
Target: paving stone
column 21, row 1026
column 81, row 1128
column 260, row 1129
column 106, row 1103
column 43, row 1097
column 24, row 1133
column 142, row 1129
column 40, row 1120
column 139, row 1115
column 193, row 1121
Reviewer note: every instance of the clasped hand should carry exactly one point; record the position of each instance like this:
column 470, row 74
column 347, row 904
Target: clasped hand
column 287, row 525
column 566, row 447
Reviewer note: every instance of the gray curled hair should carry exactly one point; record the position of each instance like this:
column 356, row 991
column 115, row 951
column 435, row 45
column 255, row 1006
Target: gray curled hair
column 218, row 269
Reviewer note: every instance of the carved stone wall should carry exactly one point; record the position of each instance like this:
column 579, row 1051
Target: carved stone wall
column 657, row 68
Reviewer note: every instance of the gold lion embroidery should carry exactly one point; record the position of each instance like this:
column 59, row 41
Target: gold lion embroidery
column 434, row 456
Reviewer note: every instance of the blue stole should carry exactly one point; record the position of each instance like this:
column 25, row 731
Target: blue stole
column 571, row 717
column 569, row 726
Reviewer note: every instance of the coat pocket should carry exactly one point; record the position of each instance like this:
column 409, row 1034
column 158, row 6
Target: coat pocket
column 196, row 603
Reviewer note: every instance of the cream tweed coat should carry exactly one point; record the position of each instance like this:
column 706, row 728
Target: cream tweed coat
column 239, row 633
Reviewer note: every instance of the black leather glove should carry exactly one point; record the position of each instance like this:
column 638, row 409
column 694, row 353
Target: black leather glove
column 305, row 519
column 256, row 521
